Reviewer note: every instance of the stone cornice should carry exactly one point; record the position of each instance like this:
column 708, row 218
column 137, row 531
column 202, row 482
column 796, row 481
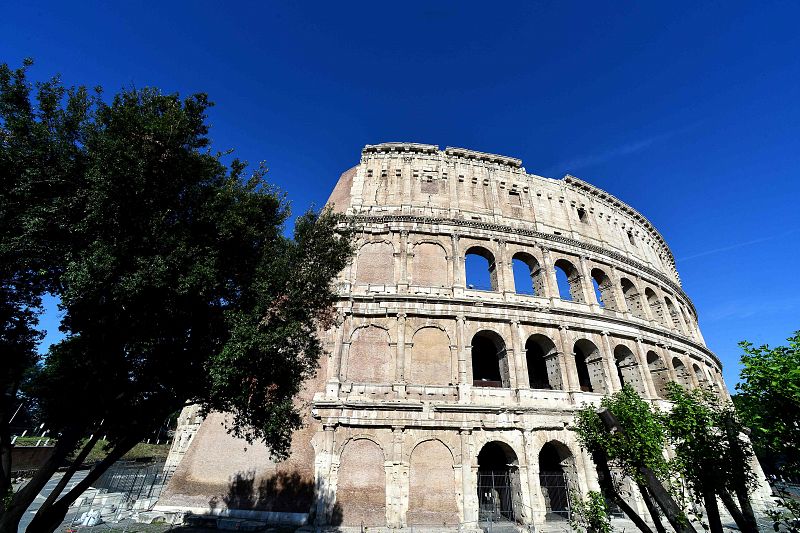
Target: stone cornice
column 619, row 204
column 561, row 239
column 515, row 306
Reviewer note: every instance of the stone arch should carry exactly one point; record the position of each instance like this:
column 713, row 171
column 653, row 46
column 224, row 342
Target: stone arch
column 528, row 264
column 429, row 266
column 681, row 373
column 499, row 484
column 432, row 496
column 488, row 263
column 698, row 374
column 658, row 372
column 375, row 264
column 489, row 360
column 370, row 358
column 567, row 271
column 361, row 483
column 589, row 366
column 628, row 369
column 603, row 289
column 558, row 475
column 674, row 317
column 431, row 360
column 541, row 357
column 632, row 298
column 654, row 303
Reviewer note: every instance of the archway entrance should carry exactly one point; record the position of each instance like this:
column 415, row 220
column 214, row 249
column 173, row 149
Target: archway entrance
column 554, row 480
column 498, row 483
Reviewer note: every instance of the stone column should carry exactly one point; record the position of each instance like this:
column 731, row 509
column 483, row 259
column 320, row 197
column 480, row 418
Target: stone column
column 459, row 273
column 469, row 479
column 402, row 285
column 619, row 296
column 587, row 287
column 396, row 482
column 400, row 363
column 464, row 360
column 505, row 274
column 644, row 369
column 519, row 351
column 549, row 273
column 569, row 372
column 325, row 478
column 341, row 363
column 611, row 364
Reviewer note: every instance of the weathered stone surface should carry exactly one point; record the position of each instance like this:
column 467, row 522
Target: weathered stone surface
column 431, row 385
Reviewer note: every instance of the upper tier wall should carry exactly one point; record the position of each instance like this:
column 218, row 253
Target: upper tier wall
column 420, row 179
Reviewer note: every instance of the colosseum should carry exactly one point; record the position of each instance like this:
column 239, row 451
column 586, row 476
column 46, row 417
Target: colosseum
column 484, row 306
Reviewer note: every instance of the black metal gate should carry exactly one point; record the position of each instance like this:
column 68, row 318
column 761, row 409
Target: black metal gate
column 556, row 492
column 495, row 501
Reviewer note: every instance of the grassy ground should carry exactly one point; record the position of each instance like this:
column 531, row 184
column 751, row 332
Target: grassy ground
column 141, row 451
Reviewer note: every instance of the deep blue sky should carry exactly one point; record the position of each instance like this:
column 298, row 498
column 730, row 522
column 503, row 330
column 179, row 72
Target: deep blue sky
column 688, row 112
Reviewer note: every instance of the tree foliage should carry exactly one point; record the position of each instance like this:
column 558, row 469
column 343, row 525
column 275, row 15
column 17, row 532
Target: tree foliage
column 768, row 401
column 177, row 283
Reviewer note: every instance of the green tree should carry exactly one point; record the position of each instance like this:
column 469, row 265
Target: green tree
column 627, row 436
column 768, row 402
column 712, row 453
column 39, row 156
column 178, row 287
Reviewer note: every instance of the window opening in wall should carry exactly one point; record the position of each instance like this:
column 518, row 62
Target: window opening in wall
column 515, row 198
column 498, row 484
column 538, row 349
column 582, row 215
column 489, row 365
column 480, row 269
column 553, row 480
column 568, row 280
column 527, row 275
column 369, row 173
column 598, row 293
column 563, row 284
column 630, row 238
column 584, row 379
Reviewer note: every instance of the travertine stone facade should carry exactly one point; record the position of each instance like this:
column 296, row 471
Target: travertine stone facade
column 441, row 403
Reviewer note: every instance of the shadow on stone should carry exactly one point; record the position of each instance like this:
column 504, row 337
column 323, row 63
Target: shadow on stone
column 281, row 492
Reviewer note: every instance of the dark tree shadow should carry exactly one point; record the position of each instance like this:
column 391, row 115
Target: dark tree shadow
column 280, row 492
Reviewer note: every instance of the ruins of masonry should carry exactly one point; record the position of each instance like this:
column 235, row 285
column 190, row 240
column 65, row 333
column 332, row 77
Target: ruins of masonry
column 448, row 393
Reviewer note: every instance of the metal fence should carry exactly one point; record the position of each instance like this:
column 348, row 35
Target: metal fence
column 137, row 480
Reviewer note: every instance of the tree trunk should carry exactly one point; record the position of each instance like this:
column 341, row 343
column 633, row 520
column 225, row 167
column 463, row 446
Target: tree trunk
column 6, row 405
column 71, row 471
column 737, row 515
column 610, row 492
column 651, row 507
column 743, row 495
column 9, row 521
column 663, row 498
column 712, row 511
column 47, row 520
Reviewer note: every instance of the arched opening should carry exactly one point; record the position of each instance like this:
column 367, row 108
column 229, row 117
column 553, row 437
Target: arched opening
column 658, row 372
column 489, row 361
column 656, row 308
column 628, row 369
column 589, row 364
column 689, row 324
column 429, row 265
column 498, row 483
column 481, row 270
column 632, row 298
column 673, row 320
column 361, row 490
column 698, row 374
column 432, row 485
column 681, row 374
column 375, row 264
column 541, row 356
column 569, row 281
column 556, row 467
column 603, row 289
column 528, row 277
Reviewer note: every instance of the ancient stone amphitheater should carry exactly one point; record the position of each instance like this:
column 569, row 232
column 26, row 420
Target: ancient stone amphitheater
column 484, row 306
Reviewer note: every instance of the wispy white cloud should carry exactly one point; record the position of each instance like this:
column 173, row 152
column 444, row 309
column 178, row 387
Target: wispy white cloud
column 618, row 151
column 745, row 309
column 735, row 246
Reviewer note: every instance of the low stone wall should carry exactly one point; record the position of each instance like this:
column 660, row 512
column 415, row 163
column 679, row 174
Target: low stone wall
column 29, row 457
